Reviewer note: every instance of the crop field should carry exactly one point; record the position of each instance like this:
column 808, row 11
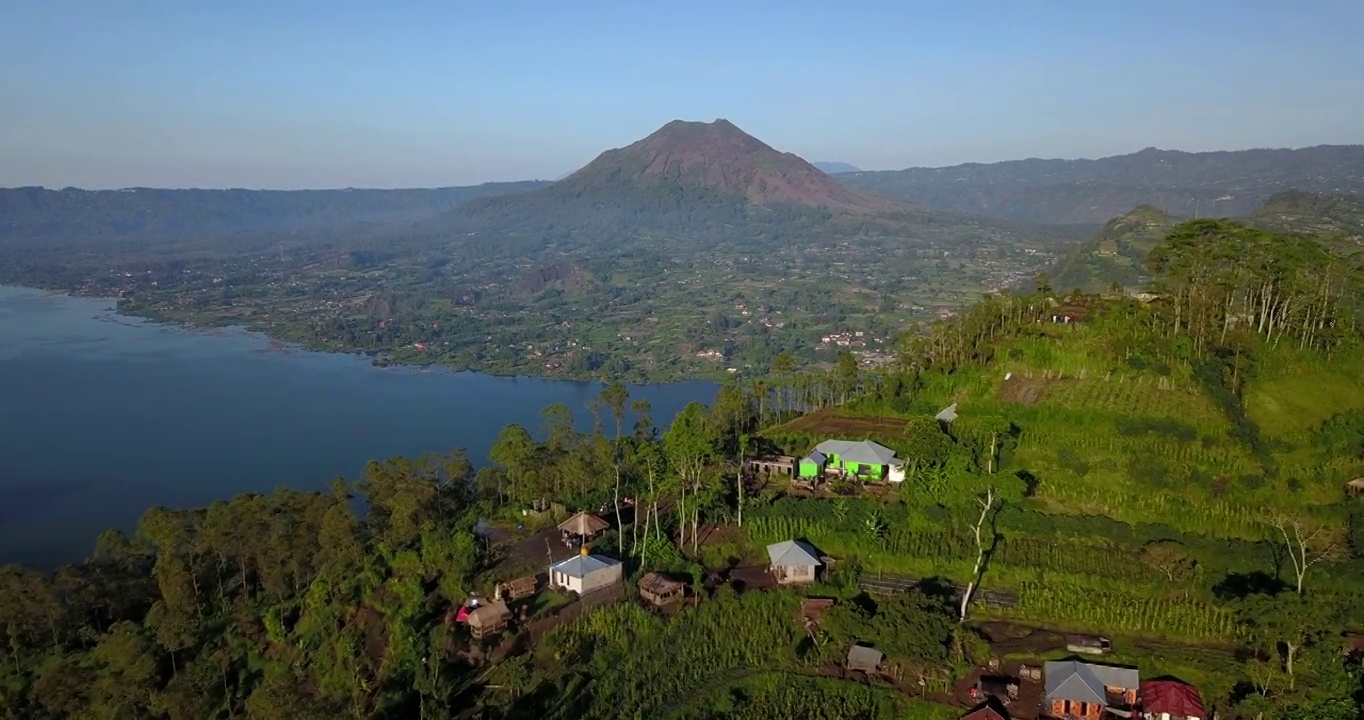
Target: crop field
column 844, row 426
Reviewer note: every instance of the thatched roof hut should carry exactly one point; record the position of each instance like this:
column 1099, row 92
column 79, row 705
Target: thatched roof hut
column 583, row 525
column 660, row 590
column 488, row 619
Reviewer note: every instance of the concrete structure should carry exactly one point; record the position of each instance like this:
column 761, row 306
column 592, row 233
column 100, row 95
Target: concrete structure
column 793, row 562
column 784, row 465
column 584, row 573
column 1083, row 691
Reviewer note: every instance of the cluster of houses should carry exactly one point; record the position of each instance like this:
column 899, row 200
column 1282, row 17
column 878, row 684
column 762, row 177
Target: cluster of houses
column 1070, row 689
column 1078, row 690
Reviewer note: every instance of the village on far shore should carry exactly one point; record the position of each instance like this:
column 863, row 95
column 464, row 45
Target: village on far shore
column 577, row 577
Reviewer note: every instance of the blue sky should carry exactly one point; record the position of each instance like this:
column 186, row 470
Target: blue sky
column 334, row 93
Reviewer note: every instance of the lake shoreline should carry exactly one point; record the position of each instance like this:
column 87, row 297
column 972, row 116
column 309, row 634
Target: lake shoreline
column 109, row 414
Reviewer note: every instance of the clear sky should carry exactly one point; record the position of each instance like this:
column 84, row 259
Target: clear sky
column 335, row 93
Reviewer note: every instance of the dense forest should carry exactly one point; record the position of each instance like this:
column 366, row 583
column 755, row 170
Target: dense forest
column 1168, row 473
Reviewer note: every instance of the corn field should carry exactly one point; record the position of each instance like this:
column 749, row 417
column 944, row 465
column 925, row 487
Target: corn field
column 1088, row 608
column 641, row 663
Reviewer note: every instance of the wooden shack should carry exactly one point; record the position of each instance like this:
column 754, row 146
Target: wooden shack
column 1088, row 644
column 519, row 588
column 487, row 620
column 659, row 591
column 1355, row 488
column 864, row 659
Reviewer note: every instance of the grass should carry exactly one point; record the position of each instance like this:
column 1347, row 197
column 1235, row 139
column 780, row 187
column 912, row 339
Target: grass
column 1298, row 394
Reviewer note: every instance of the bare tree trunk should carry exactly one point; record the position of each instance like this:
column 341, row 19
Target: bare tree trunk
column 986, row 503
column 620, row 536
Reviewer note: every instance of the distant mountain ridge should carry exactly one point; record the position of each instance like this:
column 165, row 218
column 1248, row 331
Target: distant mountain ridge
column 153, row 213
column 1222, row 184
column 833, row 168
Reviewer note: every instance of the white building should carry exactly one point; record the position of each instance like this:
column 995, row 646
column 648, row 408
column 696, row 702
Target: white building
column 584, row 573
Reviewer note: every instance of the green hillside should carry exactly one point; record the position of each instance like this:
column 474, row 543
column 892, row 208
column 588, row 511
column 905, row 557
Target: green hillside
column 1118, row 254
column 1167, row 474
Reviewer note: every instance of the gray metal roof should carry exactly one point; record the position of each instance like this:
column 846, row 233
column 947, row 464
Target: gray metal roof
column 1084, row 682
column 865, row 452
column 580, row 566
column 863, row 656
column 815, row 457
column 947, row 414
column 792, row 553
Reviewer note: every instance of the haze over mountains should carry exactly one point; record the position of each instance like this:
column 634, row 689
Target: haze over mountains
column 706, row 165
column 1223, row 184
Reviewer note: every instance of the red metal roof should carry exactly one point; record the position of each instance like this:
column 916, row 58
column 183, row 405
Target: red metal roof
column 991, row 709
column 1173, row 697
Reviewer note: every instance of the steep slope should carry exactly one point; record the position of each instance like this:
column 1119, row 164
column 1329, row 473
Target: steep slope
column 1328, row 216
column 833, row 167
column 720, row 157
column 685, row 178
column 1116, row 255
column 1222, row 184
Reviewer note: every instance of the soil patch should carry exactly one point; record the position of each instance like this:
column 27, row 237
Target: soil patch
column 1025, row 391
column 833, row 424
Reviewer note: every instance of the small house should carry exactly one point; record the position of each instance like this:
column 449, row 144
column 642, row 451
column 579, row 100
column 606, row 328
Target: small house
column 864, row 659
column 582, row 528
column 1083, row 691
column 1355, row 488
column 1171, row 699
column 488, row 620
column 991, row 709
column 793, row 562
column 659, row 591
column 861, row 459
column 584, row 573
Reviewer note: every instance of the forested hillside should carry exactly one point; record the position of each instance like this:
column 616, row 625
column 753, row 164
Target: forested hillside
column 1168, row 474
column 1204, row 184
column 1118, row 254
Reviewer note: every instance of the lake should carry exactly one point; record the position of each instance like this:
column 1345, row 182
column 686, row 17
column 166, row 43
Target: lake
column 103, row 416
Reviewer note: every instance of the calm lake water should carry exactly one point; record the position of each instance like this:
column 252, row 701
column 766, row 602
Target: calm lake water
column 102, row 416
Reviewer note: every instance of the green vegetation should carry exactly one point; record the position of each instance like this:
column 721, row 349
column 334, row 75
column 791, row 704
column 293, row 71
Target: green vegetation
column 1150, row 472
column 618, row 272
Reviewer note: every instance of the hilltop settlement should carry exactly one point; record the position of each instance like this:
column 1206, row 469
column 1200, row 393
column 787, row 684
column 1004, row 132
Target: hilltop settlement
column 936, row 483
